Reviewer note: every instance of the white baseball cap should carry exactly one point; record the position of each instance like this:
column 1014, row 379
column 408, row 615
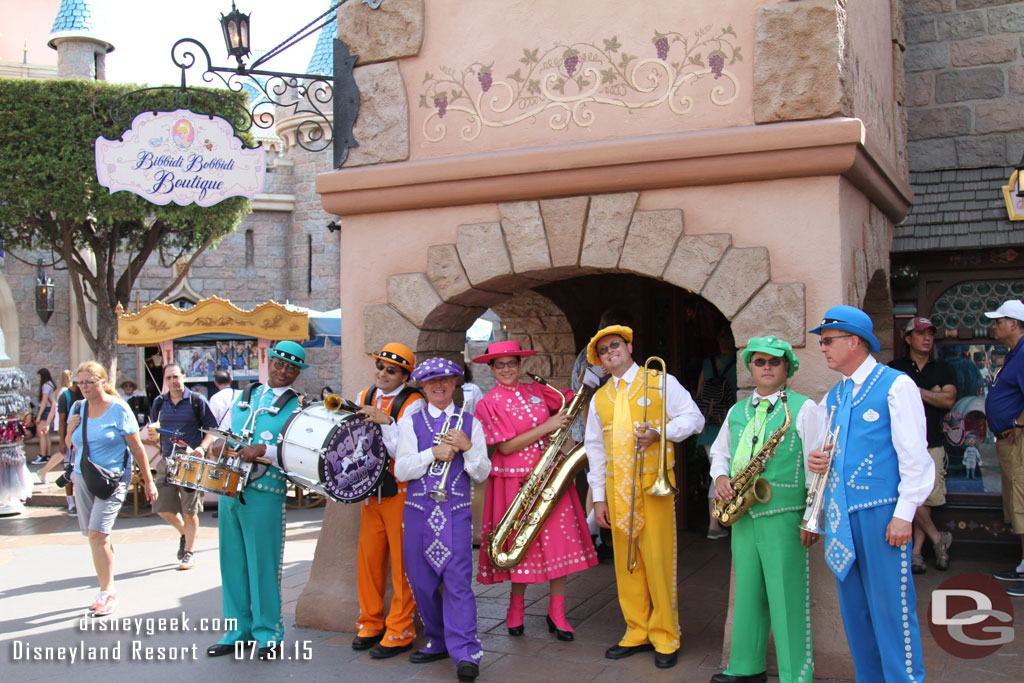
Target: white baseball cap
column 1010, row 309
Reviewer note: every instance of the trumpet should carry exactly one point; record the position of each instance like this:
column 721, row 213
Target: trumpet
column 439, row 468
column 812, row 520
column 661, row 486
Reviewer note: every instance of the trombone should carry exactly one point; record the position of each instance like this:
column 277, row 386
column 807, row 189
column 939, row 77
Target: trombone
column 661, row 486
column 815, row 505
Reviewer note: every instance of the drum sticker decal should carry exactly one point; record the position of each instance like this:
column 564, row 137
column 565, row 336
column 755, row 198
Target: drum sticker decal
column 354, row 461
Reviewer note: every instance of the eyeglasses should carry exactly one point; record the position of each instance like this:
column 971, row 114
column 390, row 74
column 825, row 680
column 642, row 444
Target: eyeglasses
column 775, row 361
column 502, row 364
column 279, row 364
column 89, row 383
column 602, row 350
column 827, row 341
column 390, row 369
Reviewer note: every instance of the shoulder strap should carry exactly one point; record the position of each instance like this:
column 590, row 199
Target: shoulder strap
column 247, row 392
column 158, row 405
column 197, row 406
column 370, row 393
column 403, row 397
column 283, row 399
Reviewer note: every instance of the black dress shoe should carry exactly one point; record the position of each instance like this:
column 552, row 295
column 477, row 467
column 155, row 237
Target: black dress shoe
column 623, row 651
column 467, row 671
column 270, row 652
column 665, row 661
column 379, row 651
column 752, row 678
column 220, row 649
column 516, row 630
column 559, row 633
column 421, row 657
column 366, row 642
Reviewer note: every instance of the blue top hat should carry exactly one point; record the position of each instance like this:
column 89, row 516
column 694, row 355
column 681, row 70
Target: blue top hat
column 850, row 319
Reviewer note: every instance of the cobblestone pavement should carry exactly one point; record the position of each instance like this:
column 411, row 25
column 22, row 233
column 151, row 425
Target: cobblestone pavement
column 46, row 581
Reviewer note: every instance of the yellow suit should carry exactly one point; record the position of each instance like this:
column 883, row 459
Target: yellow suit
column 648, row 596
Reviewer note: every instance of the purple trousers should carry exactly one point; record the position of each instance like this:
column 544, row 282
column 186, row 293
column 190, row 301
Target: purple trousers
column 445, row 601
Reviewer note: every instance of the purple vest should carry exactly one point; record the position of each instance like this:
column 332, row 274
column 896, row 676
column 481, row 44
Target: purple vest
column 457, row 484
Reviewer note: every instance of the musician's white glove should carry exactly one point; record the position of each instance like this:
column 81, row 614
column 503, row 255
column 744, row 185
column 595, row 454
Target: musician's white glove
column 593, row 375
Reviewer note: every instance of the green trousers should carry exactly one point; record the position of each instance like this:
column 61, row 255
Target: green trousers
column 251, row 552
column 772, row 590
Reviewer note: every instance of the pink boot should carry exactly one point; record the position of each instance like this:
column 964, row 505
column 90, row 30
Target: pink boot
column 514, row 616
column 557, row 623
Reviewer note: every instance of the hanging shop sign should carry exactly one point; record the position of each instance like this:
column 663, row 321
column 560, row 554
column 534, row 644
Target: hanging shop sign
column 181, row 157
column 1014, row 197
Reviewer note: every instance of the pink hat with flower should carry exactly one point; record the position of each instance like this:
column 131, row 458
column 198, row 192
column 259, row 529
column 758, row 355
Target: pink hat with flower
column 505, row 348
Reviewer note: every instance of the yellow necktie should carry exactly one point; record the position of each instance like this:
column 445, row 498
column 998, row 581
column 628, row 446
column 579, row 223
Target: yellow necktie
column 623, row 450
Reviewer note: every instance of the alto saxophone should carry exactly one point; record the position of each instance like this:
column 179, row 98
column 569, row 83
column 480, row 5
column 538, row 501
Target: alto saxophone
column 748, row 486
column 549, row 479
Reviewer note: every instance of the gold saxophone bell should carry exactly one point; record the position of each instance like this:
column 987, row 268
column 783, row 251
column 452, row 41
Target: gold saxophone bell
column 332, row 402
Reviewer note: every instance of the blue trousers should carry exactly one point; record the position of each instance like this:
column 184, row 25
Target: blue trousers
column 879, row 603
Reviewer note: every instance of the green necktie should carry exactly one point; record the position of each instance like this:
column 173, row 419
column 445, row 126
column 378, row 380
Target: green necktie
column 752, row 437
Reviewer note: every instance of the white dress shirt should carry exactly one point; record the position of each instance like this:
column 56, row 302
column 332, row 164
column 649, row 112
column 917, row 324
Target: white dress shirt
column 412, row 463
column 390, row 431
column 809, row 423
column 684, row 419
column 909, row 437
column 220, row 404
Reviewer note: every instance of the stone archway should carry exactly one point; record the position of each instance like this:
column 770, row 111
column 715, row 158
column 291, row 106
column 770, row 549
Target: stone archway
column 537, row 242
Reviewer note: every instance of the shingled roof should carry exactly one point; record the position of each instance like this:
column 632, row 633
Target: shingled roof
column 322, row 61
column 958, row 209
column 75, row 19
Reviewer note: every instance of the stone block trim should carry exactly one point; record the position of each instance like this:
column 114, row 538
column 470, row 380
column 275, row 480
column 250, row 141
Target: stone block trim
column 377, row 35
column 382, row 129
column 427, row 310
column 607, row 223
column 800, row 57
column 524, row 234
column 652, row 238
column 739, row 274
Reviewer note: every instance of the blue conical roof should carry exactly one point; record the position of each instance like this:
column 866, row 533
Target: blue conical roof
column 76, row 19
column 322, row 61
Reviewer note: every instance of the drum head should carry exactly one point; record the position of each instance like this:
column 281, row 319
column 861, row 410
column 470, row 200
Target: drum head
column 355, row 460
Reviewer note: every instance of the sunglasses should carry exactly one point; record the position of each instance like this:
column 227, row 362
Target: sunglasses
column 774, row 362
column 602, row 350
column 827, row 341
column 279, row 364
column 390, row 369
column 502, row 364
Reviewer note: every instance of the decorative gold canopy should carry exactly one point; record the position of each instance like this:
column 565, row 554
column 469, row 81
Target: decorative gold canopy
column 158, row 322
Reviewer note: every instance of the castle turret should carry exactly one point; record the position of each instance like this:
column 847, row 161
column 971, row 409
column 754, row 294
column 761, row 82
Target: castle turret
column 81, row 53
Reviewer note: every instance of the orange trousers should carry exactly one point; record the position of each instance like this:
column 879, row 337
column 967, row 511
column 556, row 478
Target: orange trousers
column 380, row 539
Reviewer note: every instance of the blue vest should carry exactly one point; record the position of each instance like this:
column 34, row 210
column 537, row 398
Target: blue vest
column 785, row 471
column 265, row 431
column 865, row 457
column 458, row 485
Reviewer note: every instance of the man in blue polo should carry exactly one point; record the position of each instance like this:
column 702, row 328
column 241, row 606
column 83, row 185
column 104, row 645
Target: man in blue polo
column 1004, row 407
column 183, row 413
column 880, row 473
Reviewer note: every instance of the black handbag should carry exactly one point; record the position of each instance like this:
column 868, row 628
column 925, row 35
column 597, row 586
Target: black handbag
column 100, row 481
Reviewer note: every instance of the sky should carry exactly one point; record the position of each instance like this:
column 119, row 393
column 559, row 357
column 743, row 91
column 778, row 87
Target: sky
column 143, row 31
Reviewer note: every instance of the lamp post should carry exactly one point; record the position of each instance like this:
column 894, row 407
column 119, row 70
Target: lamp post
column 44, row 294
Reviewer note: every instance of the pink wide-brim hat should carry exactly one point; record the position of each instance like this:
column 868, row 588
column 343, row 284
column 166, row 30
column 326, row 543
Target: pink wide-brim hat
column 505, row 348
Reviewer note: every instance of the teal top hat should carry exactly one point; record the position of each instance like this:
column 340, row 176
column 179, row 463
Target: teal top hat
column 850, row 319
column 773, row 346
column 290, row 352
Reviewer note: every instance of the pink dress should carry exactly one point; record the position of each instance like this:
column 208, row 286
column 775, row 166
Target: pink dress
column 563, row 545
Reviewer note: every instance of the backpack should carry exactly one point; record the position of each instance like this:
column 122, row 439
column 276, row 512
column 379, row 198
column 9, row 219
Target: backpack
column 717, row 394
column 193, row 399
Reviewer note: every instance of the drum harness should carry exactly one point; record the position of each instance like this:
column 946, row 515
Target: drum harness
column 388, row 486
column 259, row 469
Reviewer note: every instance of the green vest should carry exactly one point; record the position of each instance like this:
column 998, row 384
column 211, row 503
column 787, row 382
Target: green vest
column 268, row 428
column 785, row 471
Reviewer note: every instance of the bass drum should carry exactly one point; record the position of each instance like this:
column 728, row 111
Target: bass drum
column 336, row 454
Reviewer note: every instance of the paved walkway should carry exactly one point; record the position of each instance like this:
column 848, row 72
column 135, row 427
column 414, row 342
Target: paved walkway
column 46, row 580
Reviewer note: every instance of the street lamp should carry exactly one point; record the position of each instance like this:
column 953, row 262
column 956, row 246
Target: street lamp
column 236, row 34
column 44, row 294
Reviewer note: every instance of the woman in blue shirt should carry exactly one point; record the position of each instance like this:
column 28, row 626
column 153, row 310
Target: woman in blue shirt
column 111, row 429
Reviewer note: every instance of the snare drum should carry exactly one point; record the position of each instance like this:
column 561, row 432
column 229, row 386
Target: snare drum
column 226, row 478
column 336, row 454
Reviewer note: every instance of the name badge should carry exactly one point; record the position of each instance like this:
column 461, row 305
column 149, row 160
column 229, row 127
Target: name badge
column 535, row 399
column 643, row 401
column 871, row 416
column 266, row 435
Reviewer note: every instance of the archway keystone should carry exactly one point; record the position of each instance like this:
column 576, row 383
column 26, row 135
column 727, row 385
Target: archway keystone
column 651, row 239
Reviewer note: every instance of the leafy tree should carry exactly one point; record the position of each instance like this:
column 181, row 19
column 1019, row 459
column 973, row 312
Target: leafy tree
column 50, row 199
